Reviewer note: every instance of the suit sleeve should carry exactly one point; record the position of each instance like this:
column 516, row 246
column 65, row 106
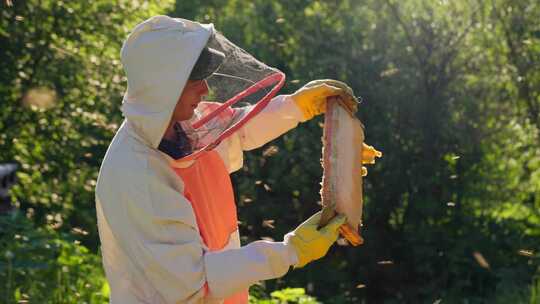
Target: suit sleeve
column 279, row 116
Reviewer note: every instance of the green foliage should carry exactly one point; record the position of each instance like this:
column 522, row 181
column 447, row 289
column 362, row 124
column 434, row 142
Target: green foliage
column 451, row 95
column 287, row 295
column 40, row 265
column 535, row 291
column 61, row 84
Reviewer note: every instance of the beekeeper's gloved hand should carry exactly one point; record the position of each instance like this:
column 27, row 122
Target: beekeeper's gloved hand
column 312, row 97
column 312, row 100
column 369, row 153
column 312, row 244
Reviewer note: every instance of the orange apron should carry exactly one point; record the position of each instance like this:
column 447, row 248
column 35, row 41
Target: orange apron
column 207, row 186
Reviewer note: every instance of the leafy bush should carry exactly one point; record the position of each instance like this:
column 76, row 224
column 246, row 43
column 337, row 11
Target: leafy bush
column 40, row 265
column 287, row 295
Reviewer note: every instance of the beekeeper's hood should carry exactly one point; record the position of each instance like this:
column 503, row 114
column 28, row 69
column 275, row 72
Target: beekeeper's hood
column 158, row 58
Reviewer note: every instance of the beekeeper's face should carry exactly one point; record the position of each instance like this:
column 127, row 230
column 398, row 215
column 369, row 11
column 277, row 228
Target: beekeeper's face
column 193, row 93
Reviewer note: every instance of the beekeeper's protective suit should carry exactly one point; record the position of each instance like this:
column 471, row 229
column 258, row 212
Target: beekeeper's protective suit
column 168, row 228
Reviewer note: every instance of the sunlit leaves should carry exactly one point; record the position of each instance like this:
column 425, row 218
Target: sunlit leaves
column 62, row 84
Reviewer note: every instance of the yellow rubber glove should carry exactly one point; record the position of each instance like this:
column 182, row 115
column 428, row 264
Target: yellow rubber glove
column 347, row 100
column 312, row 244
column 369, row 153
column 312, row 100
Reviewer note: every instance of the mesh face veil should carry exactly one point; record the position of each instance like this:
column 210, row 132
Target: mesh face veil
column 238, row 91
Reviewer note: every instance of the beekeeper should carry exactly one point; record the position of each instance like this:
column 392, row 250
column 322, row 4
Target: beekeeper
column 168, row 227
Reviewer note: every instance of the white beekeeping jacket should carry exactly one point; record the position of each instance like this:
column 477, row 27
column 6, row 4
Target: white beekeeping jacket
column 151, row 247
